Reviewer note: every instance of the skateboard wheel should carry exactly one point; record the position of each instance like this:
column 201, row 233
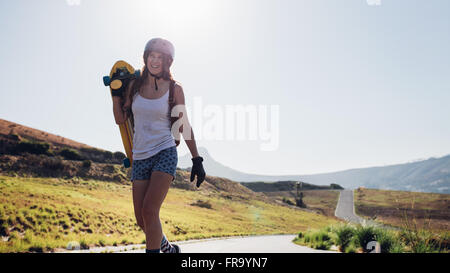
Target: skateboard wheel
column 106, row 80
column 137, row 73
column 115, row 84
column 126, row 162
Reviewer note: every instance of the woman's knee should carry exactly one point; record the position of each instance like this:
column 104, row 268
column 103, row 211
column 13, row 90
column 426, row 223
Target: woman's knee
column 150, row 211
column 139, row 218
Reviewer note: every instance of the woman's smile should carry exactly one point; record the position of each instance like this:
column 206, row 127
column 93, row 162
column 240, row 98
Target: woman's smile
column 155, row 60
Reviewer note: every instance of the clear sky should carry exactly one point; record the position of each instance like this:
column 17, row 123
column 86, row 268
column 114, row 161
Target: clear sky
column 357, row 85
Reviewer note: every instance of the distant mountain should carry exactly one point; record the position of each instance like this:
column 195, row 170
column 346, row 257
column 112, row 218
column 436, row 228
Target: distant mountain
column 215, row 168
column 430, row 175
column 287, row 186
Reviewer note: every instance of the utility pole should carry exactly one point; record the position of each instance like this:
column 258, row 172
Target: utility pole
column 299, row 199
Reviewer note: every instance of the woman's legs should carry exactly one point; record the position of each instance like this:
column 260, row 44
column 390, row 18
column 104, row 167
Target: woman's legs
column 139, row 191
column 155, row 194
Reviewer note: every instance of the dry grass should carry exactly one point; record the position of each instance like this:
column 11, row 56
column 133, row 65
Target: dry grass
column 322, row 201
column 429, row 211
column 44, row 214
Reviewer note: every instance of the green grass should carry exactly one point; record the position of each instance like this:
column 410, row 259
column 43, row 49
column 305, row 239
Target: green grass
column 45, row 214
column 355, row 239
column 315, row 238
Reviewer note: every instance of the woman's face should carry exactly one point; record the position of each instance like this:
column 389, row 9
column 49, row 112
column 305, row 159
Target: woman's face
column 155, row 62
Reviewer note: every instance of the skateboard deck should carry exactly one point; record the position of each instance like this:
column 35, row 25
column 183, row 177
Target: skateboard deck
column 120, row 76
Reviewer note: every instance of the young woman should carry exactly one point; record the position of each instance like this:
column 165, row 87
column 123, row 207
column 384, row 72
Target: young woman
column 155, row 155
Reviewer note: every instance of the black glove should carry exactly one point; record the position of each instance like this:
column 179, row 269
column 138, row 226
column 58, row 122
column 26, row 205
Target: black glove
column 197, row 170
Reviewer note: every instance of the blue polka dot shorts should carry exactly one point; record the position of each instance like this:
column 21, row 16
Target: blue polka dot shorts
column 164, row 161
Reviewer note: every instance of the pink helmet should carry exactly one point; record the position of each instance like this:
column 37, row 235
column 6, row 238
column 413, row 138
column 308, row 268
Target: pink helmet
column 162, row 46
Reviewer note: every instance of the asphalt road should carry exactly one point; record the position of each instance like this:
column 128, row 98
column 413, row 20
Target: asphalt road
column 251, row 244
column 248, row 244
column 346, row 209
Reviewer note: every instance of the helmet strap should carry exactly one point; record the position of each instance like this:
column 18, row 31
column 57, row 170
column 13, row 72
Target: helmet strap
column 155, row 77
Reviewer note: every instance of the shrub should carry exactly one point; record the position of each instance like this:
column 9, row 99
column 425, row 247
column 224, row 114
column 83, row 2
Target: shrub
column 83, row 244
column 318, row 239
column 344, row 235
column 323, row 245
column 351, row 248
column 97, row 155
column 202, row 204
column 336, row 187
column 387, row 241
column 119, row 156
column 397, row 247
column 54, row 163
column 107, row 155
column 36, row 248
column 102, row 242
column 4, row 229
column 420, row 241
column 36, row 148
column 70, row 154
column 87, row 164
column 364, row 235
column 287, row 201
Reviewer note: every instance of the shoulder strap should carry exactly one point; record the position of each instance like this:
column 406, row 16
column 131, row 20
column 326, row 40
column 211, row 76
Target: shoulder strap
column 171, row 91
column 171, row 105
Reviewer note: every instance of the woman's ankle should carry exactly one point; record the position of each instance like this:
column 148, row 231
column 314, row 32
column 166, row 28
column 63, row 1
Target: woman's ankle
column 152, row 250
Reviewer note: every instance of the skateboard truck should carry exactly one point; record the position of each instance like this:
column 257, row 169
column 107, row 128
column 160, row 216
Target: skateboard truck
column 117, row 80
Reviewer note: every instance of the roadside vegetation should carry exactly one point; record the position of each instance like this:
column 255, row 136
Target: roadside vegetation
column 350, row 238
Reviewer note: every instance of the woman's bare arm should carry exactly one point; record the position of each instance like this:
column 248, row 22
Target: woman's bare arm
column 119, row 115
column 179, row 100
column 121, row 106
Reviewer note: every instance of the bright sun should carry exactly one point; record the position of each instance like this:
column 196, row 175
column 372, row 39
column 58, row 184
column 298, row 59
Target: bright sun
column 189, row 13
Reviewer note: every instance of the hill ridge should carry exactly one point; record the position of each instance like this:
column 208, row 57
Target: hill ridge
column 9, row 127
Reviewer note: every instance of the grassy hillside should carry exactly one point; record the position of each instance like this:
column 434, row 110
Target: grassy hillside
column 11, row 128
column 430, row 211
column 44, row 214
column 322, row 201
column 22, row 141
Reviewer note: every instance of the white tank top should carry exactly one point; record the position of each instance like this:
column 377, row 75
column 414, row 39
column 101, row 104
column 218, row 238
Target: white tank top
column 151, row 126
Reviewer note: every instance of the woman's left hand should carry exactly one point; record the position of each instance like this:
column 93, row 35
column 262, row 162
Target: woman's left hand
column 197, row 170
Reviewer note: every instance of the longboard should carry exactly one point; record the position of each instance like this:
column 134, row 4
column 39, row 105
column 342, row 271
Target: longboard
column 120, row 76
